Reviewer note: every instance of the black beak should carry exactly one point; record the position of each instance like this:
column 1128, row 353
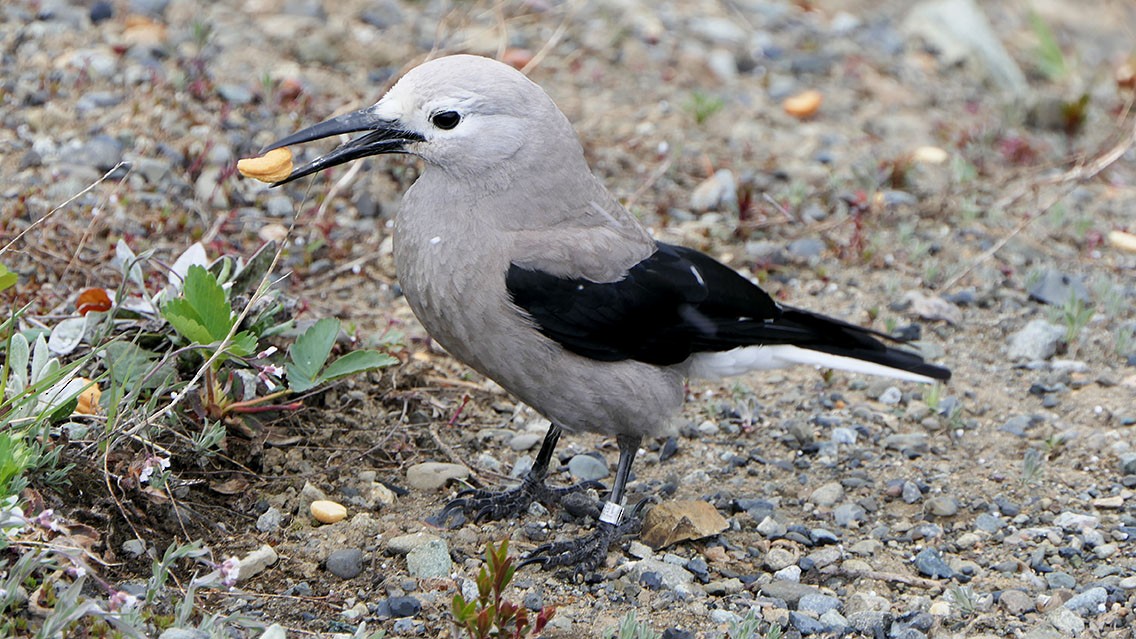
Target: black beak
column 382, row 136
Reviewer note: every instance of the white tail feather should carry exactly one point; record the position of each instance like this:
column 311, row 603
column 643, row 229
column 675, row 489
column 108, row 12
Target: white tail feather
column 755, row 358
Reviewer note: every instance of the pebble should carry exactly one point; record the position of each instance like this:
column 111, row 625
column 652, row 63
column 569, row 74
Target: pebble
column 777, row 558
column 818, row 604
column 1067, row 622
column 1089, row 602
column 719, row 587
column 430, row 560
column 788, row 591
column 807, row 625
column 345, row 563
column 1075, row 521
column 715, row 193
column 788, row 573
column 846, row 515
column 942, row 506
column 525, row 441
column 720, row 616
column 871, row 623
column 910, row 493
column 102, row 152
column 1016, row 602
column 891, row 396
column 827, row 495
column 587, row 468
column 670, row 575
column 1056, row 288
column 405, row 606
column 930, row 563
column 1038, row 340
column 806, row 248
column 771, row 528
column 269, row 520
column 434, row 475
column 405, row 543
column 1058, row 580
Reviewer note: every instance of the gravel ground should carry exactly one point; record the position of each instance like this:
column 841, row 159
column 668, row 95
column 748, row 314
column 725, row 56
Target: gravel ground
column 927, row 194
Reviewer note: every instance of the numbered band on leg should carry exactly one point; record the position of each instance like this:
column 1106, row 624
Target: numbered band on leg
column 612, row 513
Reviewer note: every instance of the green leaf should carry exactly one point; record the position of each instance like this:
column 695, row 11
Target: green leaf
column 208, row 299
column 357, row 362
column 8, row 279
column 310, row 352
column 244, row 343
column 186, row 321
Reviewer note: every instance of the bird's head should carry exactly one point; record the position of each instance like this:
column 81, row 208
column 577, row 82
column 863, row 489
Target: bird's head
column 465, row 114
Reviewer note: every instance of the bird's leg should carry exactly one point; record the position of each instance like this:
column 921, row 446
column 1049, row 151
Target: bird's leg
column 491, row 505
column 590, row 551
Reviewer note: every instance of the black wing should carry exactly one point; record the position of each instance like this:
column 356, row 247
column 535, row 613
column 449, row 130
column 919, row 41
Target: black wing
column 678, row 302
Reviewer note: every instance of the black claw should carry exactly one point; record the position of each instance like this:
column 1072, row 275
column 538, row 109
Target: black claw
column 485, row 505
column 583, row 554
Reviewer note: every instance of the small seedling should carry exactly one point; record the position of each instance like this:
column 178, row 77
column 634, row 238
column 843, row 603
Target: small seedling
column 310, row 352
column 702, row 106
column 631, row 628
column 1075, row 314
column 491, row 615
column 1033, row 463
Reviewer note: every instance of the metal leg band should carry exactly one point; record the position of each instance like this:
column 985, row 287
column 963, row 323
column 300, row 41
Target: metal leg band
column 612, row 513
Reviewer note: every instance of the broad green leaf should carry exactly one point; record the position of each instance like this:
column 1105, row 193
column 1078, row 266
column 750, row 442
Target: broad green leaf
column 186, row 321
column 356, row 362
column 309, row 353
column 208, row 299
column 8, row 279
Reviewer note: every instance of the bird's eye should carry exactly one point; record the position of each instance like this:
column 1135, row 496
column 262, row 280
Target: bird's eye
column 446, row 119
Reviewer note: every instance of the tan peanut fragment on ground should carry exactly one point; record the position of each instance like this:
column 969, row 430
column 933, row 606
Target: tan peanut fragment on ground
column 270, row 167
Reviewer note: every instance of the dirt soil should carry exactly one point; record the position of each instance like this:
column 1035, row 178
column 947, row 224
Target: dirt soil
column 922, row 192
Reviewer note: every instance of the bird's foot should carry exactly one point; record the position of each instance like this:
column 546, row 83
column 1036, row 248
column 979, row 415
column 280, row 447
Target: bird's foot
column 488, row 505
column 583, row 554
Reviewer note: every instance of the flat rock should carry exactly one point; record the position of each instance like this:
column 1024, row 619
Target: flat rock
column 1057, row 288
column 345, row 563
column 675, row 521
column 434, row 475
column 588, row 468
column 430, row 560
column 671, row 576
column 405, row 543
column 788, row 591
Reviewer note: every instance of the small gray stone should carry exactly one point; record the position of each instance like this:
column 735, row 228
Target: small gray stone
column 1072, row 521
column 788, row 573
column 911, row 493
column 930, row 563
column 942, row 506
column 1016, row 602
column 587, row 468
column 434, row 475
column 1038, row 340
column 102, row 152
column 844, row 435
column 805, row 248
column 1058, row 580
column 719, row 191
column 846, row 515
column 907, row 443
column 771, row 528
column 1128, row 463
column 777, row 558
column 235, row 93
column 1066, row 621
column 891, row 395
column 404, row 606
column 1089, row 602
column 152, row 8
column 1056, row 288
column 134, row 547
column 806, row 625
column 788, row 591
column 871, row 623
column 827, row 495
column 671, row 576
column 818, row 604
column 345, row 563
column 405, row 543
column 269, row 520
column 525, row 441
column 720, row 616
column 430, row 560
column 279, row 206
column 719, row 587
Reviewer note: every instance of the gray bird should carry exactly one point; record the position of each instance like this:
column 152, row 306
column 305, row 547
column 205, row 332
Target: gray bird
column 520, row 263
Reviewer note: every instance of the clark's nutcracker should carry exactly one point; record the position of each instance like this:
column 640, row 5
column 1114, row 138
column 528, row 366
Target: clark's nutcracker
column 520, row 263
